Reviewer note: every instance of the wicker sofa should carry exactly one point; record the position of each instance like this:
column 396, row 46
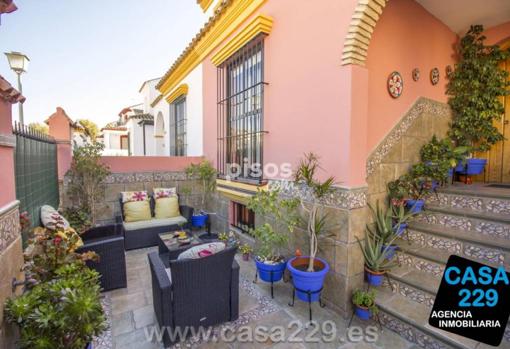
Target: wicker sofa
column 145, row 233
column 108, row 243
column 200, row 293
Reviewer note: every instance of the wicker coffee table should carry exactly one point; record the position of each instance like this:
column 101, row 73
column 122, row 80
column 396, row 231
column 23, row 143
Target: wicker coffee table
column 169, row 244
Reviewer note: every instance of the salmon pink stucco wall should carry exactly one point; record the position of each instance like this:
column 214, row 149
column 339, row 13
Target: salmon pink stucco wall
column 307, row 101
column 7, row 181
column 499, row 34
column 123, row 164
column 406, row 37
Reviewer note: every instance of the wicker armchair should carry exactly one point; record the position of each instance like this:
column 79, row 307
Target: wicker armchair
column 108, row 243
column 202, row 292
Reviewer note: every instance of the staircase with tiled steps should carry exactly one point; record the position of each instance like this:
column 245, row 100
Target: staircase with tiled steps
column 470, row 221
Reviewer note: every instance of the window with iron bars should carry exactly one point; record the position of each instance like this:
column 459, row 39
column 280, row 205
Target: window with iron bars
column 178, row 128
column 240, row 114
column 242, row 218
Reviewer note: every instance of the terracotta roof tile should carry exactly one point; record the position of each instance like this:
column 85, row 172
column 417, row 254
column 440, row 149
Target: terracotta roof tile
column 9, row 93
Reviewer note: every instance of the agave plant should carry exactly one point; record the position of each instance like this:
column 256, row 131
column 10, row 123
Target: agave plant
column 387, row 222
column 376, row 252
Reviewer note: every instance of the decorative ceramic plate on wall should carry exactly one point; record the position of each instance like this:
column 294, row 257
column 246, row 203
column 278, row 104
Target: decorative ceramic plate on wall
column 416, row 74
column 395, row 84
column 434, row 76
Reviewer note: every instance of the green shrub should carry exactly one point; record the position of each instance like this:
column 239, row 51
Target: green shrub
column 475, row 88
column 78, row 218
column 63, row 313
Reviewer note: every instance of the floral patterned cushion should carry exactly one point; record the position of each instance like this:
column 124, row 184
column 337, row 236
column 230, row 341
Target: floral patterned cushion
column 51, row 218
column 164, row 193
column 132, row 196
column 203, row 250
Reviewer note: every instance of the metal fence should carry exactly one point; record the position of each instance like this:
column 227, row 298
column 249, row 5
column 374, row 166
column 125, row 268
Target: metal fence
column 36, row 171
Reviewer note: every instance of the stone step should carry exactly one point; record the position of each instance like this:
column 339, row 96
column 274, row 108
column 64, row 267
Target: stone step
column 473, row 198
column 416, row 285
column 429, row 259
column 410, row 320
column 489, row 224
column 490, row 250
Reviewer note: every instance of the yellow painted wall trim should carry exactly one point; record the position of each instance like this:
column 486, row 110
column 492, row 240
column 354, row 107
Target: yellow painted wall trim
column 239, row 185
column 178, row 92
column 204, row 4
column 218, row 30
column 260, row 24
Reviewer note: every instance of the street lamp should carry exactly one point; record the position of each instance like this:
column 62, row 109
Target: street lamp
column 19, row 64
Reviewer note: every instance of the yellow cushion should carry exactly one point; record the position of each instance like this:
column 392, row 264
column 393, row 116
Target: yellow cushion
column 137, row 211
column 167, row 207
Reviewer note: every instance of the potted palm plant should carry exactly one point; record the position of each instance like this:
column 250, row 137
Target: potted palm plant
column 206, row 173
column 364, row 303
column 269, row 261
column 308, row 272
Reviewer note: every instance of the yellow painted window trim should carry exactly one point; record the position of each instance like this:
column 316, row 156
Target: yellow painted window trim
column 260, row 24
column 178, row 92
column 238, row 185
column 205, row 4
column 234, row 16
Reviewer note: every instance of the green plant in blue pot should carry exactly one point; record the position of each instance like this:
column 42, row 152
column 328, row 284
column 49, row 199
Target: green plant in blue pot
column 206, row 174
column 309, row 272
column 364, row 304
column 271, row 206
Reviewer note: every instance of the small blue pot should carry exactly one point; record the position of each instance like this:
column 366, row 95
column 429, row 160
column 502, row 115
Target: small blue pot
column 199, row 220
column 450, row 173
column 307, row 281
column 89, row 346
column 474, row 167
column 390, row 252
column 270, row 272
column 362, row 313
column 416, row 206
column 400, row 229
column 374, row 279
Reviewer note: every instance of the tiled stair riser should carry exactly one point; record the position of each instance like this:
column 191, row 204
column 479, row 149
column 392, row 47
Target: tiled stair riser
column 412, row 293
column 411, row 333
column 473, row 203
column 420, row 264
column 489, row 228
column 484, row 254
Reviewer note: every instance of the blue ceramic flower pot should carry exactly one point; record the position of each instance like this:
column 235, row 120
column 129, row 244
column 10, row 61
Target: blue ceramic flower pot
column 474, row 167
column 399, row 230
column 390, row 252
column 416, row 206
column 374, row 279
column 270, row 272
column 89, row 346
column 362, row 313
column 305, row 281
column 199, row 220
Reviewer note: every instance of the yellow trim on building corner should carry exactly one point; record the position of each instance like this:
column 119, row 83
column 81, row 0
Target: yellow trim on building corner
column 178, row 92
column 237, row 191
column 233, row 17
column 205, row 4
column 260, row 24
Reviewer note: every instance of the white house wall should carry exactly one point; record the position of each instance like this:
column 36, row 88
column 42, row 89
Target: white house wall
column 194, row 113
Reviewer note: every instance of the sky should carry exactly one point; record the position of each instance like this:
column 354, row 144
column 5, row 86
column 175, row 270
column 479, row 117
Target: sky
column 90, row 57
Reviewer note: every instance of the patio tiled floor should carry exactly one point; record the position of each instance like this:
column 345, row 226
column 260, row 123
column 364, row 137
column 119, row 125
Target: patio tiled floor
column 132, row 312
